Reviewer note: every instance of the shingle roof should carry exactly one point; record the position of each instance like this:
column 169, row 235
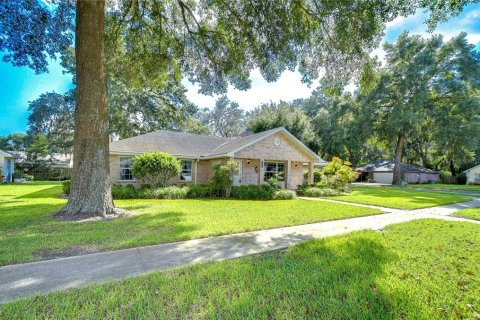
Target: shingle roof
column 176, row 143
column 7, row 153
column 387, row 166
column 189, row 145
column 475, row 167
column 56, row 158
column 239, row 142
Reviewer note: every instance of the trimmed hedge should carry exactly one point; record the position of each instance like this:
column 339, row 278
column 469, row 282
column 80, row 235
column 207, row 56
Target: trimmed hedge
column 321, row 192
column 200, row 191
column 284, row 195
column 66, row 186
column 250, row 192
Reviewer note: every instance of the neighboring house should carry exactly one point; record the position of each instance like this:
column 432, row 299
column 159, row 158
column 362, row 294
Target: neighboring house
column 60, row 165
column 473, row 174
column 259, row 156
column 382, row 172
column 55, row 160
column 7, row 166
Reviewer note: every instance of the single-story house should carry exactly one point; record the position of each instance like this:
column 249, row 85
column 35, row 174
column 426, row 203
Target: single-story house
column 55, row 160
column 473, row 174
column 260, row 156
column 7, row 166
column 60, row 165
column 382, row 172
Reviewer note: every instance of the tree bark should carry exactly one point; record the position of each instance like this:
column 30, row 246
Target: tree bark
column 397, row 172
column 91, row 185
column 452, row 168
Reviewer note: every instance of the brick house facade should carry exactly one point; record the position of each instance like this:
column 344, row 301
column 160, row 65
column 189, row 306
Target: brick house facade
column 274, row 152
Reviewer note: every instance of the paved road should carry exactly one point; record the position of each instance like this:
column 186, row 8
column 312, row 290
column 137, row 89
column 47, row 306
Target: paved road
column 23, row 280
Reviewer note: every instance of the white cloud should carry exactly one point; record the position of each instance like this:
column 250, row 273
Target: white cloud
column 288, row 87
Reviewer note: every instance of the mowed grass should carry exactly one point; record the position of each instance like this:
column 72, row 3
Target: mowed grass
column 400, row 198
column 29, row 232
column 473, row 213
column 425, row 269
column 441, row 186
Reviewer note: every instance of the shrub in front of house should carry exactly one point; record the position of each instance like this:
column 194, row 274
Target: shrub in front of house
column 461, row 178
column 252, row 192
column 170, row 193
column 126, row 192
column 284, row 194
column 338, row 175
column 316, row 192
column 199, row 191
column 155, row 168
column 66, row 185
column 222, row 178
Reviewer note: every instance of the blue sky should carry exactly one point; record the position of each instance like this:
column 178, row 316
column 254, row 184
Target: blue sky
column 18, row 86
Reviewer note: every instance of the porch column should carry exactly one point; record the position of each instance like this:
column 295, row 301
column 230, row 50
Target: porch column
column 260, row 172
column 196, row 170
column 310, row 172
column 287, row 178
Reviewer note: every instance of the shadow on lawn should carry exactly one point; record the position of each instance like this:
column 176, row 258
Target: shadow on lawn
column 312, row 280
column 52, row 192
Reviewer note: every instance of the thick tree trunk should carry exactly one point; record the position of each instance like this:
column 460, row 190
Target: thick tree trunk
column 452, row 168
column 397, row 173
column 425, row 162
column 91, row 186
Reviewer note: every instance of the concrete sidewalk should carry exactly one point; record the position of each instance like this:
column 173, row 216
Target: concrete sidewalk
column 23, row 280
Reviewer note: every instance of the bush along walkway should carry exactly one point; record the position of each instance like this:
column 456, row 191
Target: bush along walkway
column 23, row 280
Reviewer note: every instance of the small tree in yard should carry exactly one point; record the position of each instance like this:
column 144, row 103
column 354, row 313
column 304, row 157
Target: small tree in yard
column 155, row 168
column 338, row 174
column 222, row 178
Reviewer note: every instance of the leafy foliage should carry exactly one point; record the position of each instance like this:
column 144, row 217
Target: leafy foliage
column 222, row 177
column 426, row 94
column 226, row 119
column 316, row 192
column 253, row 192
column 66, row 185
column 339, row 174
column 51, row 115
column 14, row 141
column 284, row 195
column 155, row 168
column 31, row 32
column 39, row 148
column 269, row 116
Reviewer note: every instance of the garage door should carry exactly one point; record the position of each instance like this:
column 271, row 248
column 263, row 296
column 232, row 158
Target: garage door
column 383, row 177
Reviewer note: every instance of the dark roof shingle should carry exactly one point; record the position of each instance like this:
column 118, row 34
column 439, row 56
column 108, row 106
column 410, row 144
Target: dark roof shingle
column 176, row 143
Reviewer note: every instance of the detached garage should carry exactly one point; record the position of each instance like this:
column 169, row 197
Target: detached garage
column 382, row 172
column 473, row 175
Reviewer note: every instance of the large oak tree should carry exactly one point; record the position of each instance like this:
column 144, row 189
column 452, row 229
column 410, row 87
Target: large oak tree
column 213, row 42
column 427, row 91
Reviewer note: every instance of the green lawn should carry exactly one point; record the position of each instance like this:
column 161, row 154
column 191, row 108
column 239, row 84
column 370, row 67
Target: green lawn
column 400, row 198
column 426, row 269
column 28, row 231
column 442, row 186
column 473, row 213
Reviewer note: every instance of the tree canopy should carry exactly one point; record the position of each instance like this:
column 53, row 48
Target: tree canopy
column 226, row 119
column 153, row 44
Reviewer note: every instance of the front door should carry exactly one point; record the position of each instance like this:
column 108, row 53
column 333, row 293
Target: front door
column 237, row 179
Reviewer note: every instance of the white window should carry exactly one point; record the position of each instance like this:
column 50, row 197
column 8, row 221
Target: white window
column 477, row 177
column 274, row 170
column 126, row 169
column 186, row 173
